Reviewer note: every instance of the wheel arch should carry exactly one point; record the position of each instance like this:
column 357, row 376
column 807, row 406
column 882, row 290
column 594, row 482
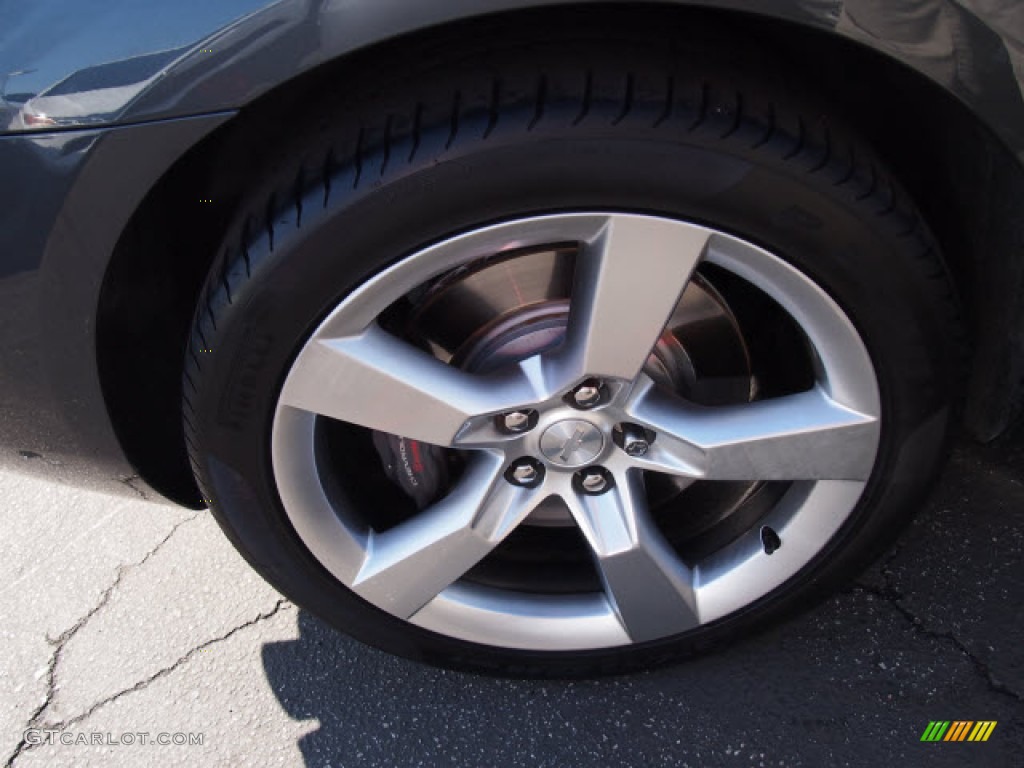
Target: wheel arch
column 964, row 178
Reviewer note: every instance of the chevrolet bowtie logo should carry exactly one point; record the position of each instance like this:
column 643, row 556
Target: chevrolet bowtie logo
column 572, row 444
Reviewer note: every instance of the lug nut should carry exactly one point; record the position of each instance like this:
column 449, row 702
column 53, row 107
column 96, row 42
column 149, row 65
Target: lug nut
column 525, row 472
column 635, row 440
column 518, row 421
column 594, row 480
column 588, row 394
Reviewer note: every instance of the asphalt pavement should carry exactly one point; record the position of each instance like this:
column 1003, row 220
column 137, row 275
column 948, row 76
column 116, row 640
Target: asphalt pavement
column 134, row 621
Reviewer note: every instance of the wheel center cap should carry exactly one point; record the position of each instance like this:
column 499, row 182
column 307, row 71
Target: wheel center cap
column 571, row 443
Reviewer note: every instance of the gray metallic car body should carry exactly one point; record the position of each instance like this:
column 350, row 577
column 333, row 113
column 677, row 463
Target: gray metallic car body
column 99, row 100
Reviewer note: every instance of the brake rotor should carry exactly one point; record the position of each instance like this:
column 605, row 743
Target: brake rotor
column 498, row 311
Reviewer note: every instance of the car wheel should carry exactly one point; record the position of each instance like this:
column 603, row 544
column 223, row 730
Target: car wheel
column 564, row 359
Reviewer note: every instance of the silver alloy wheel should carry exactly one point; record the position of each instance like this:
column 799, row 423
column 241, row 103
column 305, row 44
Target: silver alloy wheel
column 630, row 273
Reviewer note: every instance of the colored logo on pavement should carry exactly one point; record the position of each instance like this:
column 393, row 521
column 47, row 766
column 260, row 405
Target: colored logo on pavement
column 958, row 730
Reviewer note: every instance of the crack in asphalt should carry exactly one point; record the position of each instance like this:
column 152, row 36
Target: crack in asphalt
column 58, row 643
column 63, row 725
column 142, row 684
column 130, row 482
column 892, row 595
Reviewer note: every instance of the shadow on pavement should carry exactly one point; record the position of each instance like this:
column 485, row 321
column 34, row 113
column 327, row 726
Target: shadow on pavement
column 934, row 631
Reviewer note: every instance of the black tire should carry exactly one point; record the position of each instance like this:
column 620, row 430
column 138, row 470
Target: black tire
column 474, row 137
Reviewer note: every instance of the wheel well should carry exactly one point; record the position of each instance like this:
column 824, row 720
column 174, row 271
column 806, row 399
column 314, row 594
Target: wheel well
column 964, row 179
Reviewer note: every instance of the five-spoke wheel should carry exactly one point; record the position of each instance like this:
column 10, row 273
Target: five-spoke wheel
column 583, row 423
